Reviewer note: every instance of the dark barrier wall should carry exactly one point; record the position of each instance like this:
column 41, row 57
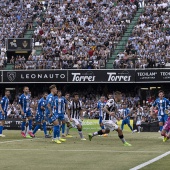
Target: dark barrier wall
column 87, row 76
column 148, row 127
column 35, row 76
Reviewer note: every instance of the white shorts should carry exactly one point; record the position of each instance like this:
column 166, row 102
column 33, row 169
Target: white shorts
column 109, row 124
column 138, row 122
column 76, row 122
column 66, row 118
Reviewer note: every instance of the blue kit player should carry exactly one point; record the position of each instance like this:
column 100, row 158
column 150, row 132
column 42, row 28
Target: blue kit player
column 51, row 116
column 24, row 105
column 162, row 104
column 100, row 107
column 60, row 107
column 40, row 116
column 3, row 111
column 125, row 113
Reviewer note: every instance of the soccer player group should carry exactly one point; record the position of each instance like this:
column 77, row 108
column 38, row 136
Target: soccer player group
column 59, row 110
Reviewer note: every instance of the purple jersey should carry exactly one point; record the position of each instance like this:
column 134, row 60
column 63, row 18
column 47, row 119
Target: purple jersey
column 167, row 124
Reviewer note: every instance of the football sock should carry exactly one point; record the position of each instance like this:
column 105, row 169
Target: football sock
column 56, row 131
column 102, row 127
column 139, row 128
column 23, row 126
column 81, row 134
column 122, row 138
column 160, row 128
column 36, row 128
column 45, row 128
column 67, row 130
column 63, row 128
column 1, row 128
column 130, row 127
column 98, row 133
column 30, row 124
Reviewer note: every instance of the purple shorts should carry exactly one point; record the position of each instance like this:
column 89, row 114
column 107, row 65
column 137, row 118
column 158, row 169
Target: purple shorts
column 167, row 126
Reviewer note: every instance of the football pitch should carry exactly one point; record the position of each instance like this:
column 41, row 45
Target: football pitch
column 102, row 153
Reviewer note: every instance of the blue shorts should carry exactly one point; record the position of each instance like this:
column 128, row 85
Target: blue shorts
column 163, row 118
column 125, row 121
column 3, row 117
column 60, row 116
column 100, row 119
column 39, row 117
column 26, row 114
column 52, row 118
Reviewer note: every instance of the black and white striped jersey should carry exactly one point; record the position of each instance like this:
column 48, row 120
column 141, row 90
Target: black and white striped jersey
column 75, row 108
column 112, row 107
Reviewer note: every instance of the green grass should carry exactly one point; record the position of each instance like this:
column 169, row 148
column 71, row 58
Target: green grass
column 102, row 153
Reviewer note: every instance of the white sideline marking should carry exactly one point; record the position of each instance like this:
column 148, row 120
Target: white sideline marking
column 11, row 141
column 106, row 151
column 150, row 161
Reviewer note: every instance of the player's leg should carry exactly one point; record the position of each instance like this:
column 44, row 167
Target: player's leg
column 2, row 122
column 79, row 127
column 122, row 125
column 56, row 130
column 164, row 132
column 100, row 122
column 30, row 124
column 161, row 120
column 44, row 124
column 38, row 125
column 23, row 126
column 38, row 119
column 138, row 124
column 106, row 130
column 62, row 118
column 69, row 126
column 129, row 125
column 120, row 134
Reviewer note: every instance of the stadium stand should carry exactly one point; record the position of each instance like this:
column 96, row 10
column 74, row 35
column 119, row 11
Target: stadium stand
column 148, row 45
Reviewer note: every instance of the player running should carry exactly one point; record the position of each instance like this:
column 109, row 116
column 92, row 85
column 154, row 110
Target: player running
column 162, row 104
column 3, row 110
column 40, row 116
column 24, row 105
column 75, row 114
column 60, row 107
column 109, row 119
column 52, row 117
column 125, row 113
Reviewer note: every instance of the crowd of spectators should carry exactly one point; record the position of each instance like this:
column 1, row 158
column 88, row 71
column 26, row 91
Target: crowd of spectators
column 148, row 46
column 15, row 17
column 81, row 34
